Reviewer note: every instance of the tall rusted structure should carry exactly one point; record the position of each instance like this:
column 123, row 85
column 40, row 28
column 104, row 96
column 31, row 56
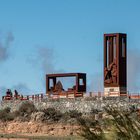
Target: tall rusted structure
column 55, row 87
column 115, row 64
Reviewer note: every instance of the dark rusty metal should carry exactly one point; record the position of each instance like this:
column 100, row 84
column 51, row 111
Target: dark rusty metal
column 115, row 60
column 57, row 87
column 111, row 73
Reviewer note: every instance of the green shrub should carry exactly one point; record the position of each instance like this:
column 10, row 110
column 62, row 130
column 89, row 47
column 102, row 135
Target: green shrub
column 6, row 115
column 52, row 114
column 25, row 110
column 74, row 113
column 94, row 111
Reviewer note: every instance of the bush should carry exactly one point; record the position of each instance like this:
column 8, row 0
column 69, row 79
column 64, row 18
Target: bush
column 25, row 110
column 6, row 115
column 74, row 113
column 52, row 114
column 126, row 127
column 119, row 124
column 91, row 130
column 94, row 111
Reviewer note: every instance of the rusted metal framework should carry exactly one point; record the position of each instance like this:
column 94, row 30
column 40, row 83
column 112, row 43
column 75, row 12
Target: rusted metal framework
column 55, row 87
column 115, row 63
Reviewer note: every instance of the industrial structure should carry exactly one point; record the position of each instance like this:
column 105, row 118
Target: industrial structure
column 115, row 64
column 55, row 88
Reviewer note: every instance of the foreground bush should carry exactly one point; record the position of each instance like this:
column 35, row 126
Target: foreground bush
column 119, row 125
column 125, row 125
column 6, row 115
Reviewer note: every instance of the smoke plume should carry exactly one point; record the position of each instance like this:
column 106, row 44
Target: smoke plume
column 22, row 88
column 46, row 58
column 4, row 46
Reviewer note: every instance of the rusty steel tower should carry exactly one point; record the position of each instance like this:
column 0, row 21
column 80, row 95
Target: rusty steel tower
column 115, row 64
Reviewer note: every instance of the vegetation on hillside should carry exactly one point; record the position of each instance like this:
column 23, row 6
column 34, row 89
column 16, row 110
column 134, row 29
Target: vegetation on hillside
column 116, row 124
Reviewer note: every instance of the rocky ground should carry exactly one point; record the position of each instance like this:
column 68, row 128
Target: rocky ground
column 35, row 128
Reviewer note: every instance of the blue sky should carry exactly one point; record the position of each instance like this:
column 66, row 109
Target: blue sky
column 64, row 36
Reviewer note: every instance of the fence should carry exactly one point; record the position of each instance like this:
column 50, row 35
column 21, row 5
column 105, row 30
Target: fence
column 111, row 94
column 41, row 96
column 35, row 97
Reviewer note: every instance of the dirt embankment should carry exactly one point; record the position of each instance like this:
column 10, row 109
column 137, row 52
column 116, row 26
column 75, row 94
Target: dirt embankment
column 36, row 128
column 14, row 139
